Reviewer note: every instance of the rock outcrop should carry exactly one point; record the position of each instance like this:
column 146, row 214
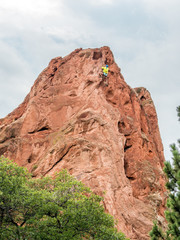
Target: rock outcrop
column 107, row 137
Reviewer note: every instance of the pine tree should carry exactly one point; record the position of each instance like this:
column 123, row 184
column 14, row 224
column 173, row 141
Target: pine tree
column 172, row 213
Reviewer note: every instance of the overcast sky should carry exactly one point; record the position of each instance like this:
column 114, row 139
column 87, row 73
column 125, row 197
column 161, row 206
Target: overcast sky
column 144, row 36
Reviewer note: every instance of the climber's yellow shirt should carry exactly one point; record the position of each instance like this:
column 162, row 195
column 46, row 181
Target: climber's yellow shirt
column 105, row 70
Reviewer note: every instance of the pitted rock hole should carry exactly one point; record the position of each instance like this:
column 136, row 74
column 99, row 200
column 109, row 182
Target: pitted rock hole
column 97, row 55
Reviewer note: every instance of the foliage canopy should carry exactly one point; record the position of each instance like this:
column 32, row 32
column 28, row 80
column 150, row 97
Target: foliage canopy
column 50, row 208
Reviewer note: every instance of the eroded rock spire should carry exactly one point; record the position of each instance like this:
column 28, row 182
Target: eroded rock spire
column 107, row 137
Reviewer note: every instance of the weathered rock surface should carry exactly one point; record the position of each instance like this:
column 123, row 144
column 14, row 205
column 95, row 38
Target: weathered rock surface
column 107, row 137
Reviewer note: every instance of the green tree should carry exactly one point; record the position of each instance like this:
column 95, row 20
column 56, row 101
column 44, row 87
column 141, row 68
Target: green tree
column 172, row 213
column 50, row 208
column 18, row 203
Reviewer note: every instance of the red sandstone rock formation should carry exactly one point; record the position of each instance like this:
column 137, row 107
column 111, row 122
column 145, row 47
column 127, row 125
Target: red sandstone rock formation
column 107, row 137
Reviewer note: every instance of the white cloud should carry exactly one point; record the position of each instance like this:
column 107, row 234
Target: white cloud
column 15, row 75
column 40, row 7
column 161, row 4
column 101, row 2
column 167, row 10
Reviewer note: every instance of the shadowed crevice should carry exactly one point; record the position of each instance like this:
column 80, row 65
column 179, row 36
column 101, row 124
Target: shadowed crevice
column 42, row 129
column 60, row 159
column 126, row 147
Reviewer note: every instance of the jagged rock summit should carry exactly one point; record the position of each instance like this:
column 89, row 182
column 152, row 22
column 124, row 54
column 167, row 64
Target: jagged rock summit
column 107, row 137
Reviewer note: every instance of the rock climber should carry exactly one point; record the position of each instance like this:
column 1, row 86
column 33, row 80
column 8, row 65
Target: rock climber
column 105, row 75
column 105, row 70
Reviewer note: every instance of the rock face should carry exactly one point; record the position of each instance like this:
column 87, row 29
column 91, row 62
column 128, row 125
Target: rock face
column 107, row 137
